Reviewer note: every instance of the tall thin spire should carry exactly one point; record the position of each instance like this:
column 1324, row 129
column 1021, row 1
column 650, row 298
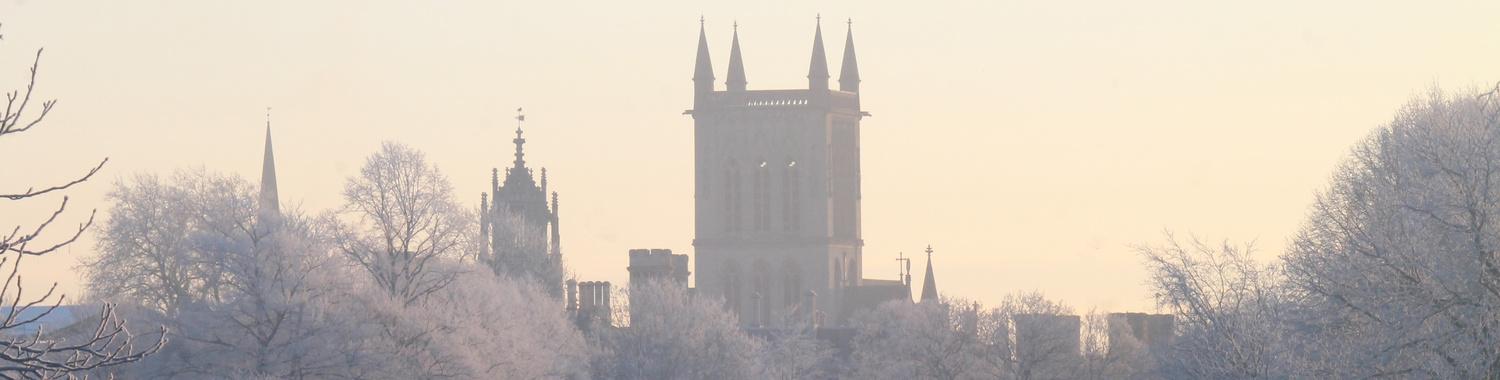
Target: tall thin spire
column 520, row 141
column 929, row 285
column 703, row 71
column 817, row 72
column 849, row 75
column 736, row 80
column 269, row 201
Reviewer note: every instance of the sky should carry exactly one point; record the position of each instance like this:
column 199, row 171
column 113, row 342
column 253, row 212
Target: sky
column 1033, row 145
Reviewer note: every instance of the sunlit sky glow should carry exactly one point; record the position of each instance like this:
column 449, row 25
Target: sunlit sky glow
column 1032, row 144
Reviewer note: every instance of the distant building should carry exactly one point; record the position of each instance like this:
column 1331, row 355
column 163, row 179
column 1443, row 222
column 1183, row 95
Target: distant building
column 658, row 265
column 1151, row 331
column 1046, row 343
column 777, row 192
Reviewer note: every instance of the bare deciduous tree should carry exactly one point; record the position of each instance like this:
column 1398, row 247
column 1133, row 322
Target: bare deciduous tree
column 40, row 355
column 404, row 220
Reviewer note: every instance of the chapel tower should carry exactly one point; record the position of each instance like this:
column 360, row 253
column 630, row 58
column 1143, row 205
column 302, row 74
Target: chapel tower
column 777, row 189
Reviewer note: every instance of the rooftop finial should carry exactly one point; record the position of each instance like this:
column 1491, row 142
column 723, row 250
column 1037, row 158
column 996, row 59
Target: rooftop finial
column 700, row 19
column 520, row 117
column 851, row 22
column 820, row 18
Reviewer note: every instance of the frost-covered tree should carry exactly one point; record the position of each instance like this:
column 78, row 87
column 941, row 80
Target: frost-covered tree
column 245, row 298
column 676, row 336
column 402, row 220
column 1230, row 311
column 40, row 353
column 1396, row 268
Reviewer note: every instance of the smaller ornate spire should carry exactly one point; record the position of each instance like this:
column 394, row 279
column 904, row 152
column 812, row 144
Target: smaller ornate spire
column 520, row 141
column 929, row 285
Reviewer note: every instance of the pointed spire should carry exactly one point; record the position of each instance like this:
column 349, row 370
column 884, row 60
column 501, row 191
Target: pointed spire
column 736, row 80
column 269, row 201
column 817, row 72
column 849, row 75
column 703, row 71
column 929, row 285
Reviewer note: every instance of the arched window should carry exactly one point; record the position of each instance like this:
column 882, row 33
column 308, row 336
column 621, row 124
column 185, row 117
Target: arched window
column 732, row 287
column 791, row 199
column 762, row 197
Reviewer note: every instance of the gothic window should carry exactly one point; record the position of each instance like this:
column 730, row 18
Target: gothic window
column 791, row 200
column 732, row 287
column 762, row 198
column 731, row 197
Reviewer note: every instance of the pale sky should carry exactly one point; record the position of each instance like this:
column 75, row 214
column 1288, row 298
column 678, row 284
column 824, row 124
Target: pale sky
column 1032, row 144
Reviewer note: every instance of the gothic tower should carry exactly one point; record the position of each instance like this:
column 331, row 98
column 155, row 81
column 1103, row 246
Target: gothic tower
column 516, row 217
column 777, row 189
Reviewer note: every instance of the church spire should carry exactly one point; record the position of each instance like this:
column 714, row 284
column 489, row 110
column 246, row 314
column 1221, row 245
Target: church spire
column 817, row 72
column 929, row 285
column 736, row 64
column 269, row 202
column 849, row 75
column 703, row 71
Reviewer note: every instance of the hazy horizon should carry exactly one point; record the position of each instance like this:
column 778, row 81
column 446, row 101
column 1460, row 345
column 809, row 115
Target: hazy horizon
column 1032, row 145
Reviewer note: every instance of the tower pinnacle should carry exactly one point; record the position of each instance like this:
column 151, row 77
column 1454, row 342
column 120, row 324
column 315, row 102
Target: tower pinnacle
column 703, row 70
column 736, row 80
column 817, row 72
column 849, row 74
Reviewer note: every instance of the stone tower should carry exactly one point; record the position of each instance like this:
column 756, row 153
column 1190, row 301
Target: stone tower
column 516, row 217
column 777, row 189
